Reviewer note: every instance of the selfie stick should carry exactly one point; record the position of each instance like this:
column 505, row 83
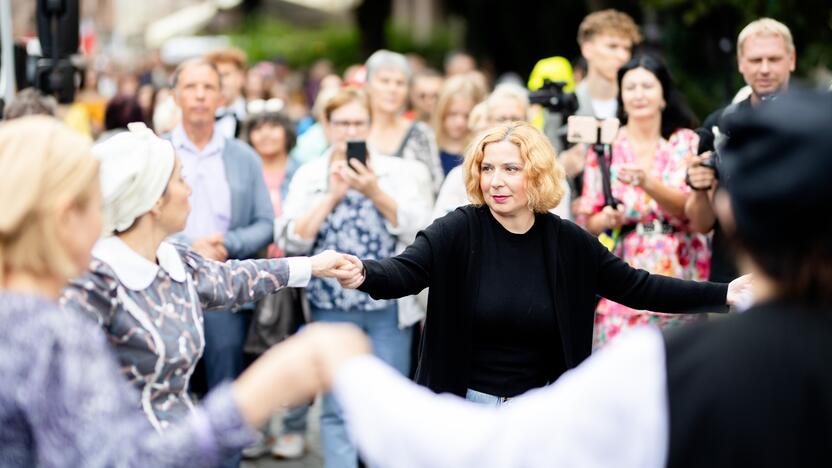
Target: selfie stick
column 601, row 151
column 609, row 237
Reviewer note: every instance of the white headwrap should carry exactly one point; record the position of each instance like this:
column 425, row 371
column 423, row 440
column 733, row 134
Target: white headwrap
column 135, row 169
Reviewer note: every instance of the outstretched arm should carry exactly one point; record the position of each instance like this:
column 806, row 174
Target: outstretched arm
column 611, row 411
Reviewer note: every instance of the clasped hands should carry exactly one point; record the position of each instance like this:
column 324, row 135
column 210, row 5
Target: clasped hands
column 346, row 268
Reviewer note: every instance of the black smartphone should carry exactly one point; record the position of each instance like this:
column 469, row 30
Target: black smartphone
column 357, row 150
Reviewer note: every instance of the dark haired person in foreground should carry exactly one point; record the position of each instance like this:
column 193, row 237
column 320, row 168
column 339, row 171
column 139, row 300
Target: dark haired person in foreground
column 754, row 389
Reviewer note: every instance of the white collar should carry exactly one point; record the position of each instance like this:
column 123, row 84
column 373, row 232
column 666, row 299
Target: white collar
column 134, row 271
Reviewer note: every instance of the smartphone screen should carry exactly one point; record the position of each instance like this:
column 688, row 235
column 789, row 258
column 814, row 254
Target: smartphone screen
column 584, row 129
column 357, row 150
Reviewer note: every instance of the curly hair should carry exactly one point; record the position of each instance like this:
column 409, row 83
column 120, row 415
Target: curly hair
column 544, row 174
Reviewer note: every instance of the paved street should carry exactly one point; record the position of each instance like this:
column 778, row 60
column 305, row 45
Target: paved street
column 312, row 459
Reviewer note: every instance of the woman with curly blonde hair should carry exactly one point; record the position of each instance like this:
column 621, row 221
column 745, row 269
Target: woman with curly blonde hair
column 513, row 287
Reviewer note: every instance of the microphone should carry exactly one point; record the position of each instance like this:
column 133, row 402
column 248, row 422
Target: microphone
column 706, row 140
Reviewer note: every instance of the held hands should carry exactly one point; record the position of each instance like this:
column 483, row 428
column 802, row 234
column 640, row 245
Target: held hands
column 211, row 247
column 740, row 293
column 332, row 346
column 297, row 369
column 356, row 276
column 331, row 264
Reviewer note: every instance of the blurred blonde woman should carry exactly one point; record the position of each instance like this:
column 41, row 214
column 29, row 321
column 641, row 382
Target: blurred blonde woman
column 64, row 402
column 457, row 99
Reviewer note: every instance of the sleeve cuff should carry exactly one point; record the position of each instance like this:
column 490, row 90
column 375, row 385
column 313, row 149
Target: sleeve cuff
column 300, row 271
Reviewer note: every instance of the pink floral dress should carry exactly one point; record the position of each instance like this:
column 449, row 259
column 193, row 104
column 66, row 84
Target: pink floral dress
column 681, row 253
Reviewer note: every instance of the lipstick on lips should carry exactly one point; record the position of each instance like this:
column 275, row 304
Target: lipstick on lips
column 500, row 198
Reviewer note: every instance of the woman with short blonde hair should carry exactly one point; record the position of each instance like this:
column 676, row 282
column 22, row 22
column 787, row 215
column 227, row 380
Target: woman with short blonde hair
column 513, row 287
column 544, row 174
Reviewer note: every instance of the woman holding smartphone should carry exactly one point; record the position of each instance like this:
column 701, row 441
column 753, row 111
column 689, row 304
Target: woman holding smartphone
column 369, row 209
column 647, row 178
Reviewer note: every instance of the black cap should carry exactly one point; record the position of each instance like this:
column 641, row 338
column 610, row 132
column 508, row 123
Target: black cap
column 778, row 169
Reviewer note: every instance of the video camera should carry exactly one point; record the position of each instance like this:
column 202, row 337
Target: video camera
column 552, row 96
column 58, row 33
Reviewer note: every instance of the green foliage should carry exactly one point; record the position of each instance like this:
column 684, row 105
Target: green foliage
column 434, row 50
column 264, row 38
column 692, row 28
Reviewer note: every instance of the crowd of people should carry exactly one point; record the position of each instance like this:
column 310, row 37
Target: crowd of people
column 164, row 239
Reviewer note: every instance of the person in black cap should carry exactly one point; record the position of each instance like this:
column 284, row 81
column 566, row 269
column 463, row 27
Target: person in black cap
column 754, row 389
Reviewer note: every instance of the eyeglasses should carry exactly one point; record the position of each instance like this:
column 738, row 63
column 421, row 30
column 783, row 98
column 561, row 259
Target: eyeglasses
column 344, row 124
column 259, row 106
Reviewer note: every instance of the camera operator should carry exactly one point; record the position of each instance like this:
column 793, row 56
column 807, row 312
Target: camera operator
column 766, row 58
column 606, row 39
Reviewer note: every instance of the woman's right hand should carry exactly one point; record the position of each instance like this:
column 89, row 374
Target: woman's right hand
column 356, row 274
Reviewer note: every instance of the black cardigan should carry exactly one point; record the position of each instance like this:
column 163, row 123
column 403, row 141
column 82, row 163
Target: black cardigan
column 445, row 257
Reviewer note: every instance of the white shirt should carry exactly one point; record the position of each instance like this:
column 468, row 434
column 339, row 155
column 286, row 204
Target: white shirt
column 610, row 411
column 406, row 181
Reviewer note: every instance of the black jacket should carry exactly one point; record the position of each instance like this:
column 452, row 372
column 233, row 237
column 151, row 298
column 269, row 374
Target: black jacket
column 752, row 390
column 445, row 257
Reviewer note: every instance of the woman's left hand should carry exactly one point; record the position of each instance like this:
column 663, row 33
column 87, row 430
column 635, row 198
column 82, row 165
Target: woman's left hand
column 740, row 294
column 633, row 174
column 361, row 178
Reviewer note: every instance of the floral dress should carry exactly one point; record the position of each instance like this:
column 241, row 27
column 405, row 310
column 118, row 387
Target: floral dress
column 680, row 253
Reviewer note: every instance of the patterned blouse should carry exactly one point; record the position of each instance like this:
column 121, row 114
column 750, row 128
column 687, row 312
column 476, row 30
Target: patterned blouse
column 680, row 253
column 356, row 227
column 64, row 404
column 152, row 314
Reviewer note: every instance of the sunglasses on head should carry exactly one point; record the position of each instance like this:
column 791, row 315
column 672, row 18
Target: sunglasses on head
column 259, row 106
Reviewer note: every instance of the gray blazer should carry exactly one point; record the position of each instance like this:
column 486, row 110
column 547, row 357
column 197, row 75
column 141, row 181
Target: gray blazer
column 252, row 215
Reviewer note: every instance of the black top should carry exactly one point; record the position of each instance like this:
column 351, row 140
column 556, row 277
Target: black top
column 515, row 340
column 752, row 390
column 447, row 257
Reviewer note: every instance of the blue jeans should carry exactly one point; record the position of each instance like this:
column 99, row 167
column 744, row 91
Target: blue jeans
column 485, row 398
column 390, row 344
column 225, row 335
column 294, row 420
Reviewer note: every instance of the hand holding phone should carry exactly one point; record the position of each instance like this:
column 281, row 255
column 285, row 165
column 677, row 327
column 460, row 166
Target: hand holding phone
column 357, row 150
